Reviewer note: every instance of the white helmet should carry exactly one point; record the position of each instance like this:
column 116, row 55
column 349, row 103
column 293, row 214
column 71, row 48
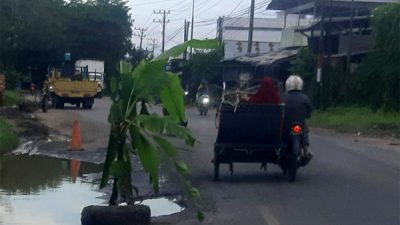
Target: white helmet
column 294, row 82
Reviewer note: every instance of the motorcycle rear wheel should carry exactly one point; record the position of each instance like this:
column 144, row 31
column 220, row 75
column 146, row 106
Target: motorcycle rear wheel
column 293, row 161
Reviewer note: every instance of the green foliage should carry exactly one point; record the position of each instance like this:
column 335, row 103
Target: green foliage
column 204, row 65
column 146, row 133
column 11, row 98
column 304, row 66
column 36, row 33
column 377, row 80
column 8, row 138
column 12, row 78
column 379, row 71
column 357, row 119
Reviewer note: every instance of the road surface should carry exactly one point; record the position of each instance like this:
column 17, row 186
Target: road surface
column 350, row 181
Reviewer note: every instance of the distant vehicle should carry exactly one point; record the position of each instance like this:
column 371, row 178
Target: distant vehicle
column 95, row 71
column 70, row 84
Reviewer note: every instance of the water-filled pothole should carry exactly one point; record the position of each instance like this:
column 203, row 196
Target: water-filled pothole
column 162, row 206
column 42, row 190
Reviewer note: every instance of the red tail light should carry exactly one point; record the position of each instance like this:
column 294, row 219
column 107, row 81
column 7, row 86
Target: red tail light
column 296, row 129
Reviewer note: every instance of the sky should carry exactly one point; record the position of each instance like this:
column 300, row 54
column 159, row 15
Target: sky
column 205, row 18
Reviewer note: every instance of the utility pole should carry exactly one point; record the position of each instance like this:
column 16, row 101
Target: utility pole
column 153, row 45
column 191, row 31
column 220, row 28
column 251, row 27
column 321, row 53
column 164, row 14
column 186, row 37
column 141, row 35
column 349, row 50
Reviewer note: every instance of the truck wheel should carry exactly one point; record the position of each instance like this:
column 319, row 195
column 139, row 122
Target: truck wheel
column 58, row 102
column 216, row 168
column 87, row 103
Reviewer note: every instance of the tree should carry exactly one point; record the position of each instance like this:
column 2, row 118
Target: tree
column 99, row 29
column 36, row 33
column 204, row 64
column 377, row 80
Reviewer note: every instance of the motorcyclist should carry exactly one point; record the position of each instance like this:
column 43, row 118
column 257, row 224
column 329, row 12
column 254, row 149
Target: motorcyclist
column 202, row 89
column 298, row 107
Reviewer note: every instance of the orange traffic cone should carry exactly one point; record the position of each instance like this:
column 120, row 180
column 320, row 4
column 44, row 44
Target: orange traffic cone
column 76, row 142
column 74, row 169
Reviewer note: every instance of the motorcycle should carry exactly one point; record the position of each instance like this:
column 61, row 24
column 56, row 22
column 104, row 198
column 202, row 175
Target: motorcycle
column 294, row 154
column 46, row 101
column 203, row 103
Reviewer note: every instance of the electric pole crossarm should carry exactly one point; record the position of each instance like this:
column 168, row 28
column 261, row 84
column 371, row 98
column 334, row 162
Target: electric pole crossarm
column 164, row 21
column 141, row 35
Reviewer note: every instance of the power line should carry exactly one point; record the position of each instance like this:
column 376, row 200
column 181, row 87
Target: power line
column 172, row 36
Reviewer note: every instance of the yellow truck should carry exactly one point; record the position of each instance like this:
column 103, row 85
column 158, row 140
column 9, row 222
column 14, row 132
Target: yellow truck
column 71, row 85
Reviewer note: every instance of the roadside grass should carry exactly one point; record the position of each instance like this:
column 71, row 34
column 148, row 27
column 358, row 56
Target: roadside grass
column 11, row 98
column 8, row 138
column 357, row 119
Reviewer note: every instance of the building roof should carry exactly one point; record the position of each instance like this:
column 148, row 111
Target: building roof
column 265, row 29
column 265, row 59
column 336, row 22
column 296, row 6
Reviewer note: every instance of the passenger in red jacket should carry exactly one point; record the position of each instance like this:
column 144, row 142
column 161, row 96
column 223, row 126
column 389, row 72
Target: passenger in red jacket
column 267, row 94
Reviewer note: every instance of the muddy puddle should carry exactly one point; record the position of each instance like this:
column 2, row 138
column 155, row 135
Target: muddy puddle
column 42, row 190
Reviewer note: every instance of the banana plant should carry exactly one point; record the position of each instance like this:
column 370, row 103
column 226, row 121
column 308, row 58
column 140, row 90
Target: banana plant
column 134, row 130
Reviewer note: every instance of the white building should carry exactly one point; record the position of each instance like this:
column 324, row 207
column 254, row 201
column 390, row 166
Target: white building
column 267, row 32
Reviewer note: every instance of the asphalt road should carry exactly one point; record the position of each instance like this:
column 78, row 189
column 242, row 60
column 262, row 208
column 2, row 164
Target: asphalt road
column 346, row 183
column 350, row 181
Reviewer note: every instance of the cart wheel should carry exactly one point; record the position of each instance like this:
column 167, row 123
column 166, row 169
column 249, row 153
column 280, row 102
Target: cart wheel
column 216, row 169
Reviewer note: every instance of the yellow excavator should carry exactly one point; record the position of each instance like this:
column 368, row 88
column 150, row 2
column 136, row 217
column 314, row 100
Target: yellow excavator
column 70, row 84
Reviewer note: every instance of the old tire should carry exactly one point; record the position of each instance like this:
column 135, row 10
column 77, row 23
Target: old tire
column 111, row 215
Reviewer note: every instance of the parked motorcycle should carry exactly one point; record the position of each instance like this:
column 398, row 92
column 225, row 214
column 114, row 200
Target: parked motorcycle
column 203, row 103
column 46, row 101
